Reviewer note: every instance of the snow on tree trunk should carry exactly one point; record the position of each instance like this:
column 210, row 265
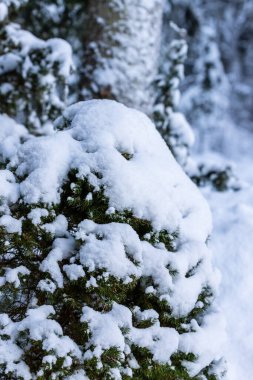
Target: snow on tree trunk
column 122, row 44
column 105, row 271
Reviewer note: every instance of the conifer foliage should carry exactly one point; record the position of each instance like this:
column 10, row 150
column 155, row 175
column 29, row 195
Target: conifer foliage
column 33, row 73
column 105, row 271
column 172, row 124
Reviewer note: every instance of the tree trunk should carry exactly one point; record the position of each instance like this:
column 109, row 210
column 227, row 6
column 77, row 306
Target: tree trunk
column 122, row 41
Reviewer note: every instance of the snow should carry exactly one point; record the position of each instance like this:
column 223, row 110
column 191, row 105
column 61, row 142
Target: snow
column 59, row 50
column 121, row 153
column 39, row 327
column 125, row 50
column 74, row 271
column 9, row 3
column 180, row 126
column 61, row 249
column 222, row 119
column 106, row 332
column 206, row 333
column 47, row 286
column 232, row 244
column 172, row 124
column 9, row 62
column 180, row 291
column 46, row 161
column 149, row 184
column 9, row 189
column 149, row 314
column 36, row 214
column 101, row 254
column 11, row 136
column 3, row 11
column 11, row 275
column 11, row 224
column 58, row 227
column 45, row 65
column 181, row 138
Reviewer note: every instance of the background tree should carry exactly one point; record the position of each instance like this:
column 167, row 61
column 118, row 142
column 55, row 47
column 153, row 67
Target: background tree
column 122, row 44
column 170, row 122
column 34, row 75
column 116, row 45
column 206, row 102
column 229, row 34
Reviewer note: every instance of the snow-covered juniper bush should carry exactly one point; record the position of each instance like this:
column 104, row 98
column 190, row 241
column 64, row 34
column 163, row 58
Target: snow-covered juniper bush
column 105, row 271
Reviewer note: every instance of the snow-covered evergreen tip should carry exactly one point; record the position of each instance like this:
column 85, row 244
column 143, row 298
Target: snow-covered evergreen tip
column 105, row 272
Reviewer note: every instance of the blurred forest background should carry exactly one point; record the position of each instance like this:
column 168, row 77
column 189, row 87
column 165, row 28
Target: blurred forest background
column 217, row 88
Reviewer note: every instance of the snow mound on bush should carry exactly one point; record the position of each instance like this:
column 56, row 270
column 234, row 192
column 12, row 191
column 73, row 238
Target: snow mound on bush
column 102, row 133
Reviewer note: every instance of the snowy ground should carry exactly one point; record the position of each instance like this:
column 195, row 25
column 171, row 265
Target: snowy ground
column 232, row 245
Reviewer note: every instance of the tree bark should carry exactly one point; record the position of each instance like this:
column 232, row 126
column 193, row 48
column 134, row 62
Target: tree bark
column 122, row 42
